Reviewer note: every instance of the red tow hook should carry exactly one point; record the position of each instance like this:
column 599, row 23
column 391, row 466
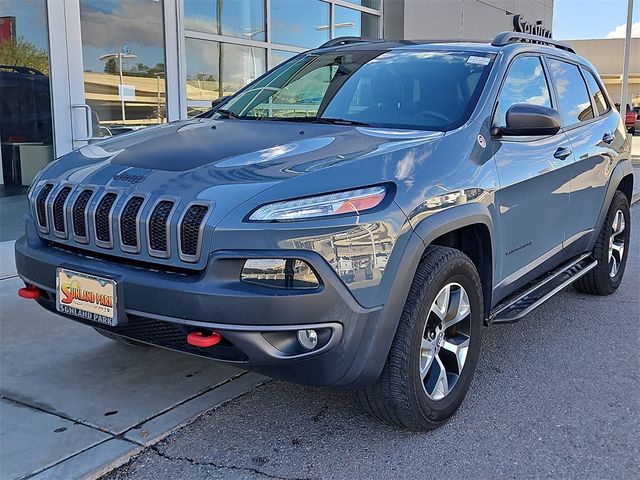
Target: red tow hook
column 30, row 291
column 197, row 339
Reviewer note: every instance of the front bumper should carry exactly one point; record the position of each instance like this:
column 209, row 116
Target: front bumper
column 257, row 323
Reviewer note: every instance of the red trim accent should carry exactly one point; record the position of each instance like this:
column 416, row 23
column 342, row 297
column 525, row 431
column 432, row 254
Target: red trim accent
column 197, row 339
column 31, row 292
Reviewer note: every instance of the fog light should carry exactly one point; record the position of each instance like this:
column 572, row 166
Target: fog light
column 279, row 273
column 308, row 339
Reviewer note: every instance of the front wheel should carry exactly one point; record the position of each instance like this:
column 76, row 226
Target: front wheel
column 436, row 347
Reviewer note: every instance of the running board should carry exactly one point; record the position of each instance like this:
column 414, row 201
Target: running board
column 532, row 296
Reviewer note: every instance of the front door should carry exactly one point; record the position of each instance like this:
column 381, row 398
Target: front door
column 535, row 183
column 591, row 128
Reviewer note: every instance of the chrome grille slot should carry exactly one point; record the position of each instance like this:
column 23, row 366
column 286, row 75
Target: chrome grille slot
column 191, row 232
column 103, row 221
column 78, row 214
column 158, row 229
column 129, row 236
column 41, row 205
column 59, row 223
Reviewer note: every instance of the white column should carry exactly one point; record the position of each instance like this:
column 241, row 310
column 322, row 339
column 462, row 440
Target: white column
column 625, row 66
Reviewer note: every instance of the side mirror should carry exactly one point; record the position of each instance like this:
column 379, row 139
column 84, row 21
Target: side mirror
column 219, row 101
column 527, row 119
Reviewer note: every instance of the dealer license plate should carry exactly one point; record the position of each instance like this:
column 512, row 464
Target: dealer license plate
column 86, row 296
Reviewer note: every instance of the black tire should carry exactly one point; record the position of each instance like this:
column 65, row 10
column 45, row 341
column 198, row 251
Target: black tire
column 599, row 281
column 120, row 339
column 399, row 397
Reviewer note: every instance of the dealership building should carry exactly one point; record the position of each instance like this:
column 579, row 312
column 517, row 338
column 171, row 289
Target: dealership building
column 75, row 71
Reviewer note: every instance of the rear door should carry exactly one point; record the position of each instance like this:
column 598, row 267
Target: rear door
column 535, row 177
column 590, row 126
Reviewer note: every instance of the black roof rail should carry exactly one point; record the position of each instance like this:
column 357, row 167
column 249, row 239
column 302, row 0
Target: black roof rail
column 335, row 42
column 505, row 38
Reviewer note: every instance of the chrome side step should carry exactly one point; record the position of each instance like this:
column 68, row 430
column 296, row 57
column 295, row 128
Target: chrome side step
column 532, row 296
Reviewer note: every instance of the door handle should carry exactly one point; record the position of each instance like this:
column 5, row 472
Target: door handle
column 608, row 138
column 562, row 153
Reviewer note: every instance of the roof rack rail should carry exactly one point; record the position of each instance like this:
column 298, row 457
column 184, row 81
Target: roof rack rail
column 334, row 42
column 505, row 38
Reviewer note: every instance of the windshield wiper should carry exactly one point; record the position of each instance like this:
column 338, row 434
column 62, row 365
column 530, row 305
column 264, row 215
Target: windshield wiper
column 342, row 121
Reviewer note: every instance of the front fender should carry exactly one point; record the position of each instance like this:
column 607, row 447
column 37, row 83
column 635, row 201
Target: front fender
column 382, row 332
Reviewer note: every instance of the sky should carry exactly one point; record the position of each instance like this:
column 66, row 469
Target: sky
column 580, row 19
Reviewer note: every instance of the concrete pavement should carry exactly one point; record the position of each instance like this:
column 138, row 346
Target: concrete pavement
column 75, row 404
column 555, row 396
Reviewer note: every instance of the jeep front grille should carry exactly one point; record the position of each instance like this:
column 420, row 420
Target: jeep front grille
column 159, row 229
column 102, row 220
column 79, row 214
column 59, row 223
column 129, row 222
column 190, row 230
column 41, row 205
column 121, row 222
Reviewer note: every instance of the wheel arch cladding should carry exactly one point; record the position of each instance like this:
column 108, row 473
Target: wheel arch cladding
column 621, row 179
column 468, row 228
column 626, row 186
column 474, row 241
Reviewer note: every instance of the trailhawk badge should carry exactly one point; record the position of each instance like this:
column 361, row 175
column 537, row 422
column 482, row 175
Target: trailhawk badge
column 482, row 142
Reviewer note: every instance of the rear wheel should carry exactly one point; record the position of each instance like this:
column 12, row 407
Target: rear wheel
column 611, row 250
column 435, row 350
column 120, row 339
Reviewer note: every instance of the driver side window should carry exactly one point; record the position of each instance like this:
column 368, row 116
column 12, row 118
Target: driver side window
column 525, row 83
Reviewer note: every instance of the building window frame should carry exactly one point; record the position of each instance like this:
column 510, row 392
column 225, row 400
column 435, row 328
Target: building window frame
column 267, row 44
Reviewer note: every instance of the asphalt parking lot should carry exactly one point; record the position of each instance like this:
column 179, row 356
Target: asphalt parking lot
column 555, row 396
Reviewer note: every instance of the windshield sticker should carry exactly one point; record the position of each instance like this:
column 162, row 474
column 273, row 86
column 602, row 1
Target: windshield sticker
column 478, row 60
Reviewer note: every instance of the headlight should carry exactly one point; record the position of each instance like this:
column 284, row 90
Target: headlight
column 352, row 201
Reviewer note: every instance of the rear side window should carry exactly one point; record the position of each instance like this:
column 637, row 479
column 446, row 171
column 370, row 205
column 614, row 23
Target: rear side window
column 525, row 83
column 597, row 96
column 573, row 98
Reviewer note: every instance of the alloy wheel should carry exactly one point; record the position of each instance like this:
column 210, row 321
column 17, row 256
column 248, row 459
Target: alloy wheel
column 445, row 341
column 616, row 243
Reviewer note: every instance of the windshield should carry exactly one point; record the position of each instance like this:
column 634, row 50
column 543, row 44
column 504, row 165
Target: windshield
column 399, row 89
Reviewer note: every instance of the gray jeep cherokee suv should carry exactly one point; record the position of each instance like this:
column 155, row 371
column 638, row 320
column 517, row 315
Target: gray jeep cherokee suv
column 351, row 218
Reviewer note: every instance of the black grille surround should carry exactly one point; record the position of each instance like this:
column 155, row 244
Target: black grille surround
column 59, row 222
column 41, row 206
column 123, row 222
column 158, row 229
column 79, row 215
column 102, row 220
column 129, row 235
column 191, row 231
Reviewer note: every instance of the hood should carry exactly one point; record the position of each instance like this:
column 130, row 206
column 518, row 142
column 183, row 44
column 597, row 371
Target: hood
column 199, row 157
